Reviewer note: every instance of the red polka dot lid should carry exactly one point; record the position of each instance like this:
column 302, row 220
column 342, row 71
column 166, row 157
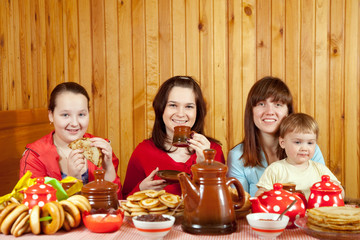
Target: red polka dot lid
column 325, row 185
column 39, row 194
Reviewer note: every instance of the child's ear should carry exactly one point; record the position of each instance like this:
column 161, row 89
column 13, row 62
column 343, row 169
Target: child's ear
column 282, row 142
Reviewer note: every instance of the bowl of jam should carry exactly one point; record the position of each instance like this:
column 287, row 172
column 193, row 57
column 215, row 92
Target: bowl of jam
column 103, row 220
column 153, row 226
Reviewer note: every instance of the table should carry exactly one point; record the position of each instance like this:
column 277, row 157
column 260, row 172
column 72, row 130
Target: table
column 127, row 231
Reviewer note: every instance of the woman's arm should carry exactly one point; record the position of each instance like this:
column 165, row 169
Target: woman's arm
column 236, row 167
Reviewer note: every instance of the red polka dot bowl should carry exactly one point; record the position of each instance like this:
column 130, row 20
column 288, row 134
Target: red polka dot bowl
column 39, row 194
column 276, row 201
column 325, row 194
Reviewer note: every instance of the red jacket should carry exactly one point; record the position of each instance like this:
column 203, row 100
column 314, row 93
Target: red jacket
column 42, row 159
column 146, row 157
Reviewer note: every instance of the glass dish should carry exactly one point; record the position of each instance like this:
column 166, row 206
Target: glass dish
column 301, row 223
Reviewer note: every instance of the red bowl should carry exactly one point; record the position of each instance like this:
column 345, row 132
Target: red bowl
column 103, row 222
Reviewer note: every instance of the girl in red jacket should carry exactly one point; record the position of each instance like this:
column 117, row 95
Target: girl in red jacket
column 179, row 101
column 50, row 155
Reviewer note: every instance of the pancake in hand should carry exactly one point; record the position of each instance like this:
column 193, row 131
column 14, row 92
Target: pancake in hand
column 93, row 154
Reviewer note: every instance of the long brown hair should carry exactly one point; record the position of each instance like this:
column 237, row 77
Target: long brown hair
column 159, row 136
column 260, row 91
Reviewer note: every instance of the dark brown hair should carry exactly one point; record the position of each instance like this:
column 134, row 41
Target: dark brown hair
column 299, row 123
column 66, row 87
column 264, row 88
column 159, row 130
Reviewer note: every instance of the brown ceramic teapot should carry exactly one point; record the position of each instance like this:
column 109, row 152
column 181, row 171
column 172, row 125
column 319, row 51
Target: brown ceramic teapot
column 209, row 208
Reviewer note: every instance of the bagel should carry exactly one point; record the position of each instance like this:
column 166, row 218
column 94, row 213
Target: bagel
column 22, row 226
column 50, row 227
column 159, row 212
column 137, row 197
column 137, row 209
column 66, row 225
column 70, row 220
column 11, row 218
column 80, row 202
column 21, row 216
column 71, row 208
column 149, row 203
column 169, row 200
column 7, row 210
column 35, row 220
column 62, row 214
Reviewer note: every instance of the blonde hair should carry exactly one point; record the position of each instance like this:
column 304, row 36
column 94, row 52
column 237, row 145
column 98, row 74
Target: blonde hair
column 299, row 123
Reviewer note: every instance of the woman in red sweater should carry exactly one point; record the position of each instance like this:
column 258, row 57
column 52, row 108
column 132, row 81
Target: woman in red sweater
column 179, row 101
column 50, row 155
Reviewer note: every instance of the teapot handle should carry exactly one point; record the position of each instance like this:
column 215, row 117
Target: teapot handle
column 239, row 189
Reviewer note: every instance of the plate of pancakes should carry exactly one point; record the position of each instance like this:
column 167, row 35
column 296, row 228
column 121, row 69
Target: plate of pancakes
column 331, row 222
column 152, row 202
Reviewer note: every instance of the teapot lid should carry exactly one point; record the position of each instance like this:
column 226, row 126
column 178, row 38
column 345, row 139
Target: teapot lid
column 209, row 164
column 100, row 185
column 276, row 191
column 325, row 185
column 40, row 188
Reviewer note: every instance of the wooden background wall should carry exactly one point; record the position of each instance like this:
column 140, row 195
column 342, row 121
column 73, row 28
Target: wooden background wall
column 122, row 50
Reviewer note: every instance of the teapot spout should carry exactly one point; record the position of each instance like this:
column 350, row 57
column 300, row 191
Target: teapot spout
column 256, row 206
column 190, row 192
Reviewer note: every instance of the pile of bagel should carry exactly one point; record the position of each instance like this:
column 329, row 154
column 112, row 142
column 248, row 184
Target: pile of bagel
column 15, row 218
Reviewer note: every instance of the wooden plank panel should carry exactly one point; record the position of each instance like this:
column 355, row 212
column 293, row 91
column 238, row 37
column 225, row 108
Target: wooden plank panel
column 112, row 75
column 4, row 55
column 336, row 98
column 18, row 128
column 14, row 55
column 152, row 61
column 278, row 39
column 85, row 53
column 25, row 55
column 99, row 67
column 263, row 38
column 71, row 38
column 322, row 88
column 352, row 107
column 292, row 50
column 126, row 86
column 235, row 127
column 248, row 48
column 165, row 40
column 307, row 39
column 139, row 70
column 178, row 37
column 220, row 73
column 193, row 28
column 207, row 62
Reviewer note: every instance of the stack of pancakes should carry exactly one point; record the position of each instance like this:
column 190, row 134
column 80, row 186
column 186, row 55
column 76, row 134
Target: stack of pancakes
column 152, row 202
column 334, row 219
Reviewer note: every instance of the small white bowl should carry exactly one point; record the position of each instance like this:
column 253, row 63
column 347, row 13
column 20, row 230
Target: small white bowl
column 154, row 230
column 265, row 224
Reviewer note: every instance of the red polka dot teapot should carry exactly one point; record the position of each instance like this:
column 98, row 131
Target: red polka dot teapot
column 325, row 193
column 39, row 194
column 276, row 201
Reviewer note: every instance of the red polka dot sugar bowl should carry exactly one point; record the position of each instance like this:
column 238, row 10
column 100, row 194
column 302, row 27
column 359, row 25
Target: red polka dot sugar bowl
column 325, row 193
column 39, row 194
column 276, row 201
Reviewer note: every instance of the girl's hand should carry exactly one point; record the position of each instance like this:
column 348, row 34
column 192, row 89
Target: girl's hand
column 106, row 149
column 150, row 183
column 199, row 143
column 76, row 163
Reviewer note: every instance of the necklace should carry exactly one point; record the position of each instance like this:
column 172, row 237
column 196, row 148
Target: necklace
column 61, row 153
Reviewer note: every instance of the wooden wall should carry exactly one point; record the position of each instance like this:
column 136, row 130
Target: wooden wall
column 122, row 50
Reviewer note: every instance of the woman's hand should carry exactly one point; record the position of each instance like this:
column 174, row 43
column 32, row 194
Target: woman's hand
column 199, row 143
column 106, row 149
column 150, row 183
column 76, row 163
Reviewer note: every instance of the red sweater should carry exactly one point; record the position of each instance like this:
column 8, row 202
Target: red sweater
column 42, row 159
column 146, row 157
